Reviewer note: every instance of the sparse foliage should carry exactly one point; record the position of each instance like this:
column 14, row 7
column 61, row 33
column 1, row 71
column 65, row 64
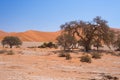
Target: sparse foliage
column 48, row 45
column 86, row 58
column 61, row 54
column 68, row 56
column 88, row 33
column 96, row 55
column 11, row 41
column 67, row 41
column 109, row 77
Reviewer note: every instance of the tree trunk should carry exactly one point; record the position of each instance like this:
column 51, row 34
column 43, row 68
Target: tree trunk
column 86, row 48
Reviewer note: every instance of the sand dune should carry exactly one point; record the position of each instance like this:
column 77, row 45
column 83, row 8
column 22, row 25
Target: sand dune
column 37, row 36
column 32, row 35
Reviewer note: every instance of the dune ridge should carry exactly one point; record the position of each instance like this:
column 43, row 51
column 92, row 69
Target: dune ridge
column 32, row 35
column 38, row 36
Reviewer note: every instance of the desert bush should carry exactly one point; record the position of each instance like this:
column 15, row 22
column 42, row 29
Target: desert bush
column 62, row 54
column 49, row 45
column 86, row 58
column 109, row 77
column 117, row 49
column 96, row 55
column 10, row 52
column 68, row 56
column 2, row 51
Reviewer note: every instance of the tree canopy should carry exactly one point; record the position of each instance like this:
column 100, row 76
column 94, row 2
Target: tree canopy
column 11, row 41
column 67, row 41
column 88, row 33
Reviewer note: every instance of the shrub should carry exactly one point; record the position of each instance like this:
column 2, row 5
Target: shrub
column 2, row 51
column 86, row 58
column 96, row 55
column 62, row 54
column 10, row 52
column 68, row 56
column 49, row 45
column 109, row 77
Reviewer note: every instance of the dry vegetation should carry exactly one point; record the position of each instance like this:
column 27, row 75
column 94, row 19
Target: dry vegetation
column 45, row 64
column 79, row 54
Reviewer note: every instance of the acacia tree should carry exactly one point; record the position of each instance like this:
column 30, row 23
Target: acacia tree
column 87, row 32
column 66, row 41
column 11, row 41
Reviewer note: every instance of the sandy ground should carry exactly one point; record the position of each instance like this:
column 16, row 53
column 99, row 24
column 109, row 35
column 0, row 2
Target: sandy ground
column 44, row 64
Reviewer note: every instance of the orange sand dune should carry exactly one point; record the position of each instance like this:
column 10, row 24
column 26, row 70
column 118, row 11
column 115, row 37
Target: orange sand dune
column 32, row 35
column 37, row 36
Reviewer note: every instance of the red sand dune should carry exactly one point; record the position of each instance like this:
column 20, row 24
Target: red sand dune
column 37, row 36
column 32, row 35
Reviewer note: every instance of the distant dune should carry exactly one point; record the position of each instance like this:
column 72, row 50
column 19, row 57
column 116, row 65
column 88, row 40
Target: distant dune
column 32, row 35
column 37, row 36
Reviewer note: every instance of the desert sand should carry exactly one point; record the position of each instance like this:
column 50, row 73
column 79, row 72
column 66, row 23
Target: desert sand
column 44, row 64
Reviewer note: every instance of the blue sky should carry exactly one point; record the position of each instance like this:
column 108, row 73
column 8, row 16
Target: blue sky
column 48, row 15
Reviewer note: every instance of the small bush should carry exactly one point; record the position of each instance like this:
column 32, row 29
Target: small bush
column 109, row 77
column 48, row 45
column 117, row 49
column 62, row 54
column 96, row 55
column 86, row 58
column 68, row 56
column 2, row 51
column 10, row 52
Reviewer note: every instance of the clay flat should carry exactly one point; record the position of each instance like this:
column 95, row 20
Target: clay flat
column 44, row 64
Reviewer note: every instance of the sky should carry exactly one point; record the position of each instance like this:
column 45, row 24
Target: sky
column 48, row 15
